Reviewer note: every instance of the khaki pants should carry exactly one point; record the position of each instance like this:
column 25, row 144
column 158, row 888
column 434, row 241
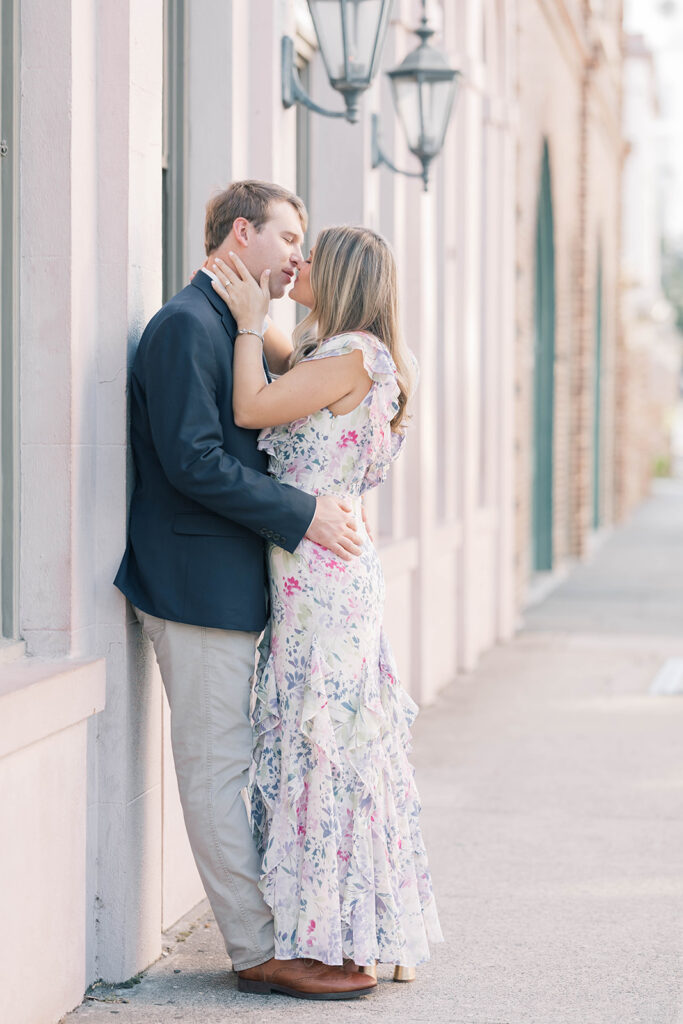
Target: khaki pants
column 206, row 674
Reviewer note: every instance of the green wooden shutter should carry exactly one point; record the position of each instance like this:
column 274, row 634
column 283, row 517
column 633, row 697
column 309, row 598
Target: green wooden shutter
column 544, row 376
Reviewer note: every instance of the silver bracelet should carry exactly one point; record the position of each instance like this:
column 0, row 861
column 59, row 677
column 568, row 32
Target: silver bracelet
column 246, row 330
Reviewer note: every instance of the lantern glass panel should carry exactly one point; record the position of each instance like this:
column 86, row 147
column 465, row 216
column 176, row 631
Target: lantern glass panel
column 436, row 103
column 407, row 103
column 424, row 108
column 359, row 22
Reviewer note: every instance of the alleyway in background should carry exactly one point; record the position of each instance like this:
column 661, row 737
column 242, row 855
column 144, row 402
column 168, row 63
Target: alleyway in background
column 552, row 783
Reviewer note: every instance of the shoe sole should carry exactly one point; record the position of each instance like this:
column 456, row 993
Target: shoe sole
column 265, row 988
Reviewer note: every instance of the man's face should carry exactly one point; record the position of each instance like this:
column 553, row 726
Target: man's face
column 277, row 246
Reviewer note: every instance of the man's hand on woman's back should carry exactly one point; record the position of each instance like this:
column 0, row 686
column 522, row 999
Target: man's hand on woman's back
column 334, row 527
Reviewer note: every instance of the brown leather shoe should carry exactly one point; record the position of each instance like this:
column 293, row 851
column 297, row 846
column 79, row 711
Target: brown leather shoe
column 304, row 979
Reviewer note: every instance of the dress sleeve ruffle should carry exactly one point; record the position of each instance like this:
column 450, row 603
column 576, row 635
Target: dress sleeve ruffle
column 378, row 364
column 383, row 397
column 381, row 404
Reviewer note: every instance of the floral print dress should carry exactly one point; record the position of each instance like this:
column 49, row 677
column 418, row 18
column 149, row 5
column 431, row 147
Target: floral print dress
column 333, row 802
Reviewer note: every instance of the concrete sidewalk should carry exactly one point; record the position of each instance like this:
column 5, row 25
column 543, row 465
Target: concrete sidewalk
column 552, row 783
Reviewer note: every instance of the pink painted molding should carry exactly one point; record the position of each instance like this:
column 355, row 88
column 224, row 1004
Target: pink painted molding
column 39, row 698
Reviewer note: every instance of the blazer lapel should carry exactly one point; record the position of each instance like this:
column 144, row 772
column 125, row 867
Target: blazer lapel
column 203, row 282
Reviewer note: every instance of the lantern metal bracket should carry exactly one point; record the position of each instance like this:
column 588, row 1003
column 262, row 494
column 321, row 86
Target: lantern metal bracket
column 294, row 92
column 379, row 157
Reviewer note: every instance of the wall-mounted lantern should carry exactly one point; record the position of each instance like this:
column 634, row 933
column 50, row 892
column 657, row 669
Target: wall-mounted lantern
column 350, row 36
column 423, row 89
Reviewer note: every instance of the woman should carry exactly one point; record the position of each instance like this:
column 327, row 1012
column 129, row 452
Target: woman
column 334, row 806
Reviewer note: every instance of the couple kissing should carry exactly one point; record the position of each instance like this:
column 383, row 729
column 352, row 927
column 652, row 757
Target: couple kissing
column 252, row 452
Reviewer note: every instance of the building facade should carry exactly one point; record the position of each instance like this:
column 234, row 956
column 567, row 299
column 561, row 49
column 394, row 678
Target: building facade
column 570, row 152
column 120, row 121
column 651, row 346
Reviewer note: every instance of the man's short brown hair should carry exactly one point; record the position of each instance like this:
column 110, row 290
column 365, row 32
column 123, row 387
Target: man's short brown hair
column 248, row 199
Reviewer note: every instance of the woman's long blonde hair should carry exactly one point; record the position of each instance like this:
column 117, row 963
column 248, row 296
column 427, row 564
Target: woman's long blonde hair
column 353, row 280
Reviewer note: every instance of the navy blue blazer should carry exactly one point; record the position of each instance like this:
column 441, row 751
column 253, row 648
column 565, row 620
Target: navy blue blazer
column 203, row 505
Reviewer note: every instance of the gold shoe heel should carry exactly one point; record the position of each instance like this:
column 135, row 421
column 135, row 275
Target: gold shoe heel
column 403, row 973
column 369, row 969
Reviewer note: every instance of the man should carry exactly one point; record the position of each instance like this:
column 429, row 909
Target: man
column 194, row 566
